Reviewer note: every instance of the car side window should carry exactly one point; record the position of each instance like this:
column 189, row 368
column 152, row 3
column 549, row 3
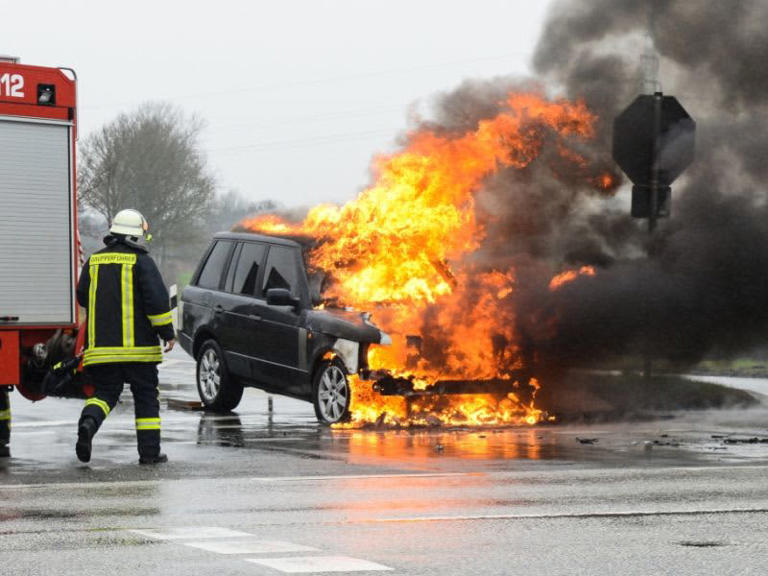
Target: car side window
column 251, row 258
column 210, row 276
column 280, row 271
column 231, row 267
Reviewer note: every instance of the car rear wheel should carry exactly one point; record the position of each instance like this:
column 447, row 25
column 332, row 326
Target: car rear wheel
column 218, row 391
column 331, row 394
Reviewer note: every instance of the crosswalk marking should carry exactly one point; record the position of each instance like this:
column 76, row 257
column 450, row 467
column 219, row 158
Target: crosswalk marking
column 315, row 564
column 251, row 546
column 229, row 542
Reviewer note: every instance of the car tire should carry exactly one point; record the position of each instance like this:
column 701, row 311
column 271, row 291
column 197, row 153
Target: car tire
column 218, row 391
column 331, row 394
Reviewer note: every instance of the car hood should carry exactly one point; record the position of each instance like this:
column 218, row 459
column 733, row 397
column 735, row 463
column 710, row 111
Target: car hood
column 349, row 325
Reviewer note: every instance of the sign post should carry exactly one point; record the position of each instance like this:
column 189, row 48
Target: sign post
column 653, row 142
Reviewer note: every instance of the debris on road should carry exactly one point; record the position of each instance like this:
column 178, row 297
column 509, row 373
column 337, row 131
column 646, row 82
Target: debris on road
column 586, row 440
column 752, row 440
column 179, row 404
column 671, row 443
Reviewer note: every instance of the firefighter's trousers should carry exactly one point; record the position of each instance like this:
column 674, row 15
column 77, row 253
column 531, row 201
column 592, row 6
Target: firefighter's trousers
column 108, row 380
column 5, row 418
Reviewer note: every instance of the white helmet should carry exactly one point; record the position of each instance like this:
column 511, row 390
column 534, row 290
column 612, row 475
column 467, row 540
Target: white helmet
column 129, row 222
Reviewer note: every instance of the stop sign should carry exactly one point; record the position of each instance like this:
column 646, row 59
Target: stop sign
column 635, row 140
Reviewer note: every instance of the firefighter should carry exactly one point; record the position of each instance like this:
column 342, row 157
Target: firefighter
column 128, row 309
column 5, row 424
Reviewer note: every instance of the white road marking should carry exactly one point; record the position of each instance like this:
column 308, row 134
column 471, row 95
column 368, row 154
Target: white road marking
column 45, row 423
column 167, row 363
column 556, row 515
column 362, row 477
column 244, row 543
column 264, row 479
column 252, row 546
column 315, row 564
column 114, row 426
column 190, row 533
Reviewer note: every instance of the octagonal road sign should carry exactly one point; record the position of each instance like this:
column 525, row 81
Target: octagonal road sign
column 634, row 140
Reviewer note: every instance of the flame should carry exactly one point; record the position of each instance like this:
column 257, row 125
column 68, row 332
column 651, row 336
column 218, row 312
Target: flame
column 563, row 278
column 606, row 181
column 402, row 247
column 454, row 410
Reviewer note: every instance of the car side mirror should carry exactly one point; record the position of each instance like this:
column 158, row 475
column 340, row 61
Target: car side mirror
column 281, row 297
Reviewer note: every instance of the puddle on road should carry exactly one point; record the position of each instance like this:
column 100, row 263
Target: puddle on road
column 417, row 445
column 201, row 443
column 312, row 439
column 494, row 444
column 654, row 443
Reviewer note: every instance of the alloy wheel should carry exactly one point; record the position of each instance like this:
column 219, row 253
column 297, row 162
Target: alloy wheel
column 210, row 375
column 333, row 394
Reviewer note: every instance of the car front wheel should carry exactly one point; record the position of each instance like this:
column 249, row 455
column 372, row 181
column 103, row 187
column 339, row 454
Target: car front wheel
column 218, row 391
column 331, row 394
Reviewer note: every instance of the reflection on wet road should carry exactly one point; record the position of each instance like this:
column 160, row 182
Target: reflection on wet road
column 262, row 492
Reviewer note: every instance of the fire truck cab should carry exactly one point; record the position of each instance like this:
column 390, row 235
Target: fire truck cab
column 38, row 213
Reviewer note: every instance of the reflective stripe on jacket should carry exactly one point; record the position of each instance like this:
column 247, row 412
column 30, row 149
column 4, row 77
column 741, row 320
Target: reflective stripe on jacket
column 128, row 305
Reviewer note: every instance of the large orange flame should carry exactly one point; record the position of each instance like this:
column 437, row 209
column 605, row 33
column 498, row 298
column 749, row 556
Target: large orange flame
column 403, row 249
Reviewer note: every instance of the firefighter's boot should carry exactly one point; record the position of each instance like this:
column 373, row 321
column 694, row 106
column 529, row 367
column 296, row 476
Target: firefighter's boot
column 158, row 459
column 85, row 432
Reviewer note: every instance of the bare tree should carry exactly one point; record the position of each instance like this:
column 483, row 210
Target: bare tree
column 149, row 160
column 229, row 208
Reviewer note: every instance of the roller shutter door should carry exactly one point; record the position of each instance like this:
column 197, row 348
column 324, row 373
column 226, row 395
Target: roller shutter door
column 36, row 258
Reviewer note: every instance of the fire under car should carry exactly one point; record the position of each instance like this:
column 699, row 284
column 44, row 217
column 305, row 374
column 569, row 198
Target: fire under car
column 248, row 318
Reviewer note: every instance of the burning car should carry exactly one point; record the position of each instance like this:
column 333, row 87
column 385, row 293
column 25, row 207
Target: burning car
column 420, row 246
column 248, row 319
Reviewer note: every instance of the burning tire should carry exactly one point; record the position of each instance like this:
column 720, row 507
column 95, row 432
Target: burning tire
column 218, row 391
column 331, row 394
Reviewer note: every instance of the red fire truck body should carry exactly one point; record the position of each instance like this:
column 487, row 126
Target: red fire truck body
column 39, row 252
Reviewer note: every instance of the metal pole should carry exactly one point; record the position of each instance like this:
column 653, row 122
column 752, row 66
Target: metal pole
column 657, row 100
column 652, row 83
column 654, row 208
column 649, row 61
column 650, row 57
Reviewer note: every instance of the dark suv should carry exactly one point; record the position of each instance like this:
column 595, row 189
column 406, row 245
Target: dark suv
column 247, row 318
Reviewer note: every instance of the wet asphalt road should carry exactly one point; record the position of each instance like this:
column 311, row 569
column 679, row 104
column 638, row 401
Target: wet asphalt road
column 262, row 494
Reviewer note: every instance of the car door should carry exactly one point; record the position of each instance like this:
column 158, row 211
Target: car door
column 279, row 337
column 202, row 297
column 241, row 317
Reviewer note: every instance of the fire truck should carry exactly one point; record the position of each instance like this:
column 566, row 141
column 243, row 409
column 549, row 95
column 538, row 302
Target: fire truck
column 39, row 252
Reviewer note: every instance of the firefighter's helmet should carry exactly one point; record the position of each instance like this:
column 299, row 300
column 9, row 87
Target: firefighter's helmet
column 130, row 222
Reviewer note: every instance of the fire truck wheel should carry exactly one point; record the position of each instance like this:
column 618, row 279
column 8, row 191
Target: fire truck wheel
column 331, row 394
column 218, row 391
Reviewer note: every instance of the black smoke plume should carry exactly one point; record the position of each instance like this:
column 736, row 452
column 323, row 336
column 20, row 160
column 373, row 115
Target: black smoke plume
column 699, row 286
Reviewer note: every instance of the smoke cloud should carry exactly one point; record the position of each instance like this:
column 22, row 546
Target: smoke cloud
column 699, row 286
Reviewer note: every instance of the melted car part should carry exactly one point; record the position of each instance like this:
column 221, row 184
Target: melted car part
column 388, row 385
column 349, row 352
column 343, row 324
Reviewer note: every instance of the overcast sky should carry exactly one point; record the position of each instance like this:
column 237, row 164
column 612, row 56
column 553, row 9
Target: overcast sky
column 297, row 96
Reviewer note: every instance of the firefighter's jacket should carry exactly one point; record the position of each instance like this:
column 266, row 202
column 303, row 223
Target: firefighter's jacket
column 128, row 305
